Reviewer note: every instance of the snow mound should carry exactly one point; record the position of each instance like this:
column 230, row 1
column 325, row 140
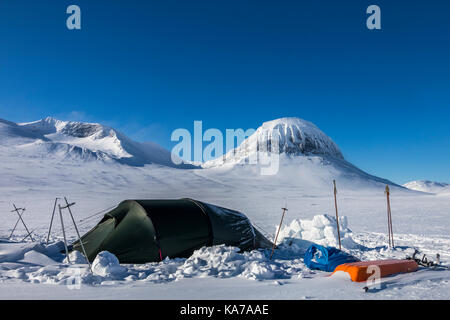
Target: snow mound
column 75, row 257
column 322, row 229
column 224, row 262
column 217, row 261
column 107, row 265
column 12, row 251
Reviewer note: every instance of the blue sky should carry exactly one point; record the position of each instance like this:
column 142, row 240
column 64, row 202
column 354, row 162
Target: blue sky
column 149, row 67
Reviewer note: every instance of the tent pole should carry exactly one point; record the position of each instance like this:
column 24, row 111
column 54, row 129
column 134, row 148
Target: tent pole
column 337, row 216
column 23, row 222
column 51, row 221
column 15, row 226
column 76, row 229
column 388, row 215
column 64, row 233
column 278, row 231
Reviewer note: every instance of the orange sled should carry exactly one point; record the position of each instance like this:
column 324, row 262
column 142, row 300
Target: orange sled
column 358, row 270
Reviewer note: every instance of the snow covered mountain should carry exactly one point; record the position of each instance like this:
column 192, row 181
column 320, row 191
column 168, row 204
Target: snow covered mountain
column 307, row 156
column 50, row 137
column 302, row 147
column 428, row 186
column 289, row 136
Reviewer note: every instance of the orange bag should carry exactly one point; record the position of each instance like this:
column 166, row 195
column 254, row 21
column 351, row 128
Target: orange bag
column 358, row 270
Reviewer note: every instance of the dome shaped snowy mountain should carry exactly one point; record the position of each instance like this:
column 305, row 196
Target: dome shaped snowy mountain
column 295, row 137
column 289, row 136
column 50, row 137
column 305, row 153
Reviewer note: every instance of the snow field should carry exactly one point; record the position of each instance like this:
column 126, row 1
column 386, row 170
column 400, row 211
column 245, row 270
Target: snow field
column 34, row 173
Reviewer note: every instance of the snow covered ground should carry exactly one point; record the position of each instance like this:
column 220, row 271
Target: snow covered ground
column 29, row 270
column 34, row 270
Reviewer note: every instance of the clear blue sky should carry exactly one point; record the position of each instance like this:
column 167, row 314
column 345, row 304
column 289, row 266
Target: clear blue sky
column 149, row 67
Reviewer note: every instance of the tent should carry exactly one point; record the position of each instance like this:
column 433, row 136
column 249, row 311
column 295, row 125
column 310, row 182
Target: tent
column 140, row 231
column 326, row 258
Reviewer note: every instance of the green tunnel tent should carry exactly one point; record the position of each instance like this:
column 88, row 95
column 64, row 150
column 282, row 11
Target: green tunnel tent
column 140, row 231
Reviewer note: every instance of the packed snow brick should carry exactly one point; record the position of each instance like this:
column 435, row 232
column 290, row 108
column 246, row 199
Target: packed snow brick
column 321, row 229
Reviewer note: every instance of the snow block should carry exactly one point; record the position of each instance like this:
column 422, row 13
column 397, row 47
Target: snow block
column 360, row 271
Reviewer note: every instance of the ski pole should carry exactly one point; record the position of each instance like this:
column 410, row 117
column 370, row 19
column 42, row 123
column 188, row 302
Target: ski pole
column 51, row 221
column 278, row 232
column 15, row 226
column 64, row 233
column 68, row 205
column 23, row 222
column 337, row 216
column 390, row 231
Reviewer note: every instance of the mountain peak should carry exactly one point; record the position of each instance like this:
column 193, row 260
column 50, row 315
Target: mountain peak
column 293, row 136
column 76, row 129
column 296, row 137
column 288, row 121
column 428, row 186
column 82, row 140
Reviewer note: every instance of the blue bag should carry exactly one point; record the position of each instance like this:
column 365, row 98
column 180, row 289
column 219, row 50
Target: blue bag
column 326, row 258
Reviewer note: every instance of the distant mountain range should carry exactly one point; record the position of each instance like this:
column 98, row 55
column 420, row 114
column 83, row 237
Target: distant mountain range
column 428, row 186
column 300, row 143
column 81, row 141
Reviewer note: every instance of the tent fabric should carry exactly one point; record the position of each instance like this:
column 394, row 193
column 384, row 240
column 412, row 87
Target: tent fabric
column 326, row 258
column 140, row 231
